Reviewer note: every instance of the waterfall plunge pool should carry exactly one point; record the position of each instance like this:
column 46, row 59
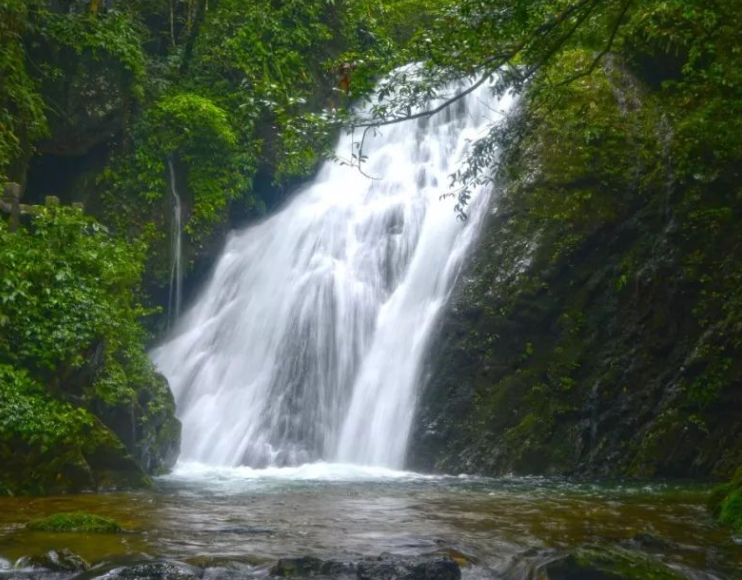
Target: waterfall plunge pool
column 249, row 518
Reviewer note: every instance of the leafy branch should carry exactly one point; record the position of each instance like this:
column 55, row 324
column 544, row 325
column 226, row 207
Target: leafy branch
column 404, row 96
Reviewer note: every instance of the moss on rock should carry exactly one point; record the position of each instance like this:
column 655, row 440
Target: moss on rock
column 596, row 329
column 608, row 564
column 50, row 446
column 725, row 503
column 75, row 522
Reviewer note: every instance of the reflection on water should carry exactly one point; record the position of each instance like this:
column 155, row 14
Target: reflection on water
column 348, row 511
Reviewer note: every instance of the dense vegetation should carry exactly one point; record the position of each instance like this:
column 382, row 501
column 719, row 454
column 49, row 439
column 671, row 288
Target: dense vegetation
column 115, row 104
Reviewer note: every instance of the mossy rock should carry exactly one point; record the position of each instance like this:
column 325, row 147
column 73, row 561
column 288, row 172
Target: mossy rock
column 50, row 446
column 75, row 522
column 730, row 512
column 598, row 563
column 725, row 503
column 151, row 570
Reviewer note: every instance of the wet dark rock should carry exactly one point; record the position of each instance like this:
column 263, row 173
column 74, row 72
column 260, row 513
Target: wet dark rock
column 149, row 571
column 546, row 368
column 309, row 566
column 55, row 560
column 148, row 429
column 384, row 567
column 585, row 344
column 419, row 568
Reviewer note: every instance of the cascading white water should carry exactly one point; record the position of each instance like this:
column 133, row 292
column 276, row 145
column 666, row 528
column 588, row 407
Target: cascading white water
column 307, row 342
column 176, row 257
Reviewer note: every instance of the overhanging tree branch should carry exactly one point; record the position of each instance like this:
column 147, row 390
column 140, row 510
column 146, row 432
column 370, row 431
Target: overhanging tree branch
column 606, row 49
column 492, row 64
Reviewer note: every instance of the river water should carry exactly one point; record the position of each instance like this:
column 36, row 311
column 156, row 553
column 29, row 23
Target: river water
column 209, row 516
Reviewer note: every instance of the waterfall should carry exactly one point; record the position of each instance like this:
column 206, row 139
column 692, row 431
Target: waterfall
column 176, row 254
column 308, row 340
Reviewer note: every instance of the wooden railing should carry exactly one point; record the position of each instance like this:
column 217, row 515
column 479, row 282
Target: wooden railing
column 10, row 203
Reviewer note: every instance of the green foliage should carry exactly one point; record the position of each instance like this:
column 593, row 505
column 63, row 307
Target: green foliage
column 620, row 174
column 195, row 135
column 72, row 334
column 75, row 522
column 22, row 118
column 259, row 76
column 36, row 43
column 194, row 95
column 108, row 35
column 225, row 90
column 27, row 413
column 596, row 142
column 67, row 285
column 731, row 511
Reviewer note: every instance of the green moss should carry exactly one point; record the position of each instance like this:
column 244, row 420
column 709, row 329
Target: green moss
column 731, row 511
column 75, row 522
column 621, row 564
column 26, row 413
column 725, row 502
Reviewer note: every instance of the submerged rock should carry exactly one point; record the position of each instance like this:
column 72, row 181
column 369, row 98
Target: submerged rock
column 650, row 542
column 592, row 563
column 55, row 560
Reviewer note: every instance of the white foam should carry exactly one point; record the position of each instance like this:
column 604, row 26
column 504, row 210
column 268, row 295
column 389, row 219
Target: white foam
column 235, row 479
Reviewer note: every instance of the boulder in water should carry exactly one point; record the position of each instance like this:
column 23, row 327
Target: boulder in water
column 309, row 566
column 55, row 560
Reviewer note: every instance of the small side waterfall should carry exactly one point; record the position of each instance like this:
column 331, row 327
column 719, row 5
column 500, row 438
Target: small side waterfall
column 176, row 253
column 307, row 342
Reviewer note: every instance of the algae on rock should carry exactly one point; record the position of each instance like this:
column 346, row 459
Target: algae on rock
column 75, row 522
